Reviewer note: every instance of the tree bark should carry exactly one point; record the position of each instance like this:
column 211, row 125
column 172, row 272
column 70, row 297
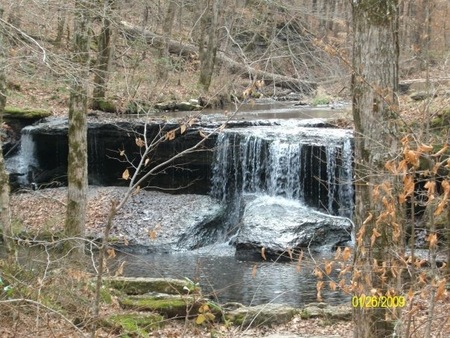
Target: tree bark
column 208, row 43
column 5, row 211
column 77, row 159
column 101, row 71
column 374, row 89
column 164, row 61
column 189, row 50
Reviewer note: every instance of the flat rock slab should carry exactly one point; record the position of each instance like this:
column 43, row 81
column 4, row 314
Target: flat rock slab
column 142, row 285
column 266, row 314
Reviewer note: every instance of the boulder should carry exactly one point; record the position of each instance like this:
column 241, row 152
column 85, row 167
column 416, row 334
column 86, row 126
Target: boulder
column 265, row 314
column 278, row 224
column 142, row 285
column 134, row 324
column 169, row 306
column 323, row 310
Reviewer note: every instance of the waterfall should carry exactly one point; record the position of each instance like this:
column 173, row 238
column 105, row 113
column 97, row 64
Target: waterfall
column 311, row 165
column 24, row 163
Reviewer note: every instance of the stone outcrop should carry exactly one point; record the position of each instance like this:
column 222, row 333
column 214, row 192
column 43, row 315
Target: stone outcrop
column 278, row 224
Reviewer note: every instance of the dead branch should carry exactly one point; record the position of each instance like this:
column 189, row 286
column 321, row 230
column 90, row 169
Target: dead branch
column 188, row 50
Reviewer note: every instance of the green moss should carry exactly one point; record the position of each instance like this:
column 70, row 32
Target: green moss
column 320, row 100
column 104, row 105
column 134, row 323
column 25, row 113
column 169, row 307
column 136, row 286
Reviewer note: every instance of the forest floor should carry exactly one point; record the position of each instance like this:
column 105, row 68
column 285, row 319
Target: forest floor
column 46, row 207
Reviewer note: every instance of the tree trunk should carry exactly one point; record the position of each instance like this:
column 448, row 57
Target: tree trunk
column 164, row 60
column 208, row 43
column 101, row 71
column 374, row 89
column 5, row 211
column 77, row 161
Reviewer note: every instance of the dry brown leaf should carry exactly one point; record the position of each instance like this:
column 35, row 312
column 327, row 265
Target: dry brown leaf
column 412, row 157
column 183, row 129
column 346, row 253
column 111, row 253
column 254, row 270
column 424, row 148
column 126, row 174
column 433, row 239
column 328, row 267
column 440, row 292
column 368, row 219
column 170, row 135
column 139, row 142
column 263, row 253
column 332, row 285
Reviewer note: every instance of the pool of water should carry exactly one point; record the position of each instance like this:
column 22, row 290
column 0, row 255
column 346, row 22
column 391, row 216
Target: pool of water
column 227, row 279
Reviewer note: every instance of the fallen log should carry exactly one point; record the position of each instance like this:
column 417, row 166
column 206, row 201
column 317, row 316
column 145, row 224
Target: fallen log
column 189, row 50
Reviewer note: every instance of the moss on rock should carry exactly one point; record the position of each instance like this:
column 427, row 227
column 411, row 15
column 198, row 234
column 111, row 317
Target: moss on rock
column 169, row 307
column 25, row 113
column 141, row 285
column 135, row 323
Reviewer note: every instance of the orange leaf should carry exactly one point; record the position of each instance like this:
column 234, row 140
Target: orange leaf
column 408, row 185
column 126, row 174
column 332, row 285
column 346, row 254
column 153, row 234
column 170, row 135
column 424, row 148
column 368, row 219
column 318, row 273
column 441, row 289
column 111, row 253
column 263, row 253
column 328, row 267
column 139, row 142
column 433, row 239
column 183, row 129
column 412, row 158
column 440, row 207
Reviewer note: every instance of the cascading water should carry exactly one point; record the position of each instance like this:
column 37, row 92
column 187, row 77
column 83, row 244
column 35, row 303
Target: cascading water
column 311, row 165
column 24, row 163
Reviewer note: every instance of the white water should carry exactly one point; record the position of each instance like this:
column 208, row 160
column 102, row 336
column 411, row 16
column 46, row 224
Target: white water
column 23, row 163
column 311, row 165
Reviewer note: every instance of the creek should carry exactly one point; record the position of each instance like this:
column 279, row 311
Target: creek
column 283, row 170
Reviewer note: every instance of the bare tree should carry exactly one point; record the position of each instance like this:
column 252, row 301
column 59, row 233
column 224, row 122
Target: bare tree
column 5, row 212
column 208, row 42
column 374, row 88
column 78, row 105
column 103, row 56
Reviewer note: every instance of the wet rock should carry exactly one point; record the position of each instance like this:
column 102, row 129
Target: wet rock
column 266, row 314
column 277, row 224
